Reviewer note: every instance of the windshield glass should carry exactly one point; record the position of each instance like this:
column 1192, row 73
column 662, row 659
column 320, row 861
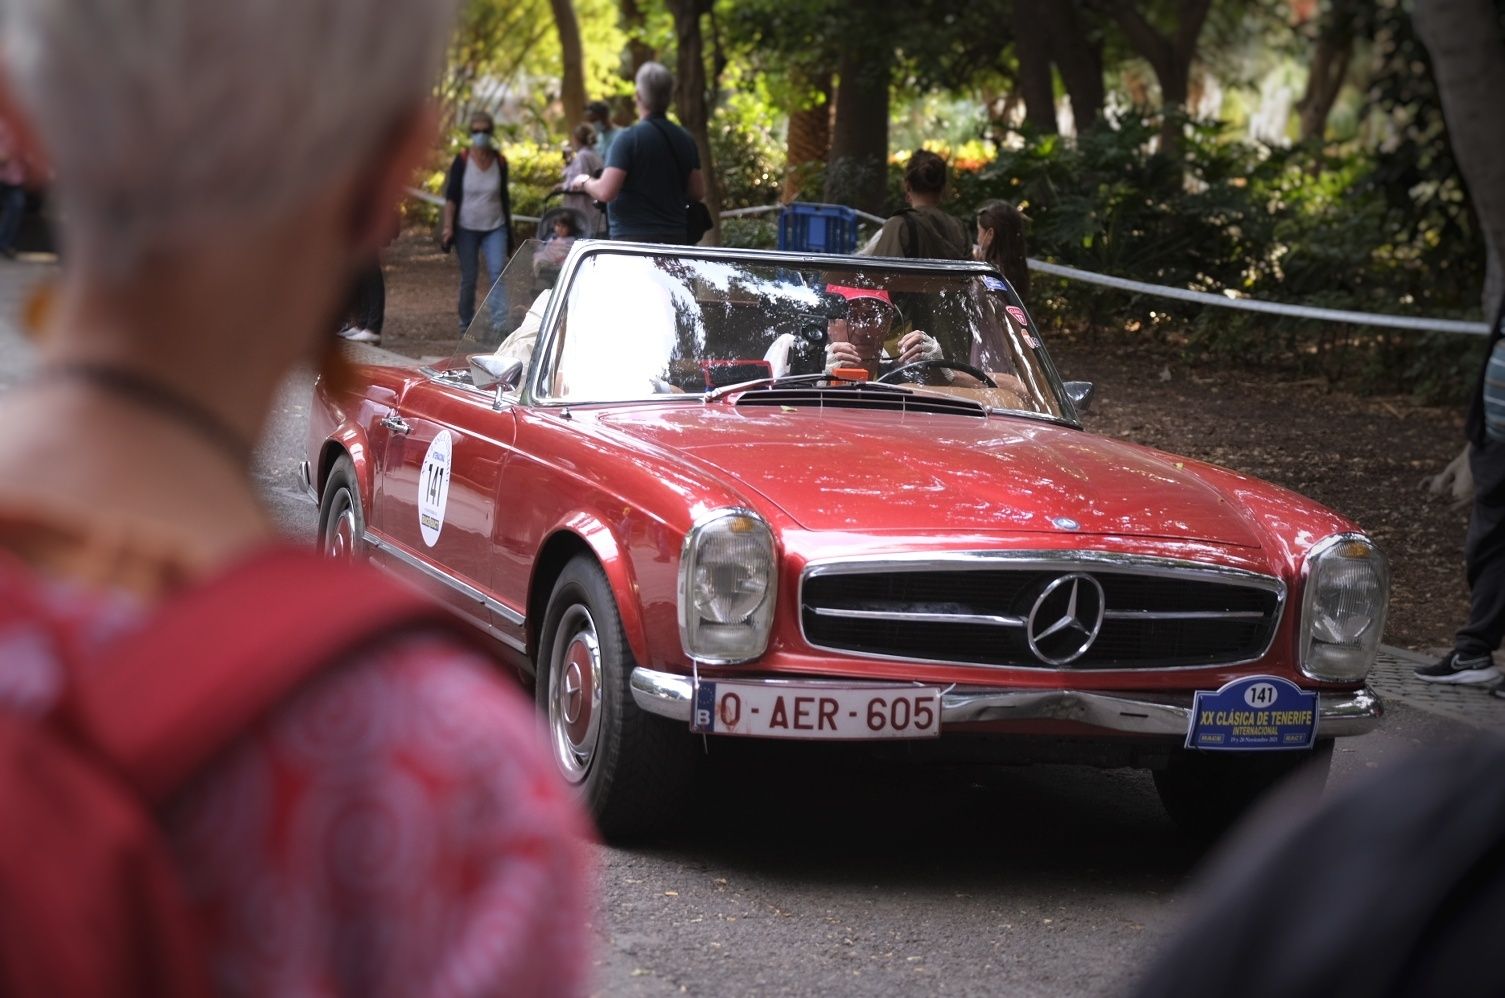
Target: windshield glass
column 637, row 326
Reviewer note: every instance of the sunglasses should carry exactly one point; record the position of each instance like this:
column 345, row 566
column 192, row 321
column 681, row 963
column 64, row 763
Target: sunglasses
column 488, row 130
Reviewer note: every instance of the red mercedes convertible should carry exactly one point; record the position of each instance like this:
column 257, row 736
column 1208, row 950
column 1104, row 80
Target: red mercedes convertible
column 696, row 494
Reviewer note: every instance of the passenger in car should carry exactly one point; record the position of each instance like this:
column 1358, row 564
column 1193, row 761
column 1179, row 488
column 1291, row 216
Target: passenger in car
column 863, row 337
column 520, row 342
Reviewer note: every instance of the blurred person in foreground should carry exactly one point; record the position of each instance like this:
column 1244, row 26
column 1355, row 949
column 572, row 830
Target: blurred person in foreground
column 392, row 826
column 1394, row 886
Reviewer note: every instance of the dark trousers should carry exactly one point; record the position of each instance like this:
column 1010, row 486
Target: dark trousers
column 12, row 207
column 1484, row 552
column 368, row 304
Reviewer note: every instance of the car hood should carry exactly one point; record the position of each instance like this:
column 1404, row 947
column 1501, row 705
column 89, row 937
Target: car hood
column 839, row 469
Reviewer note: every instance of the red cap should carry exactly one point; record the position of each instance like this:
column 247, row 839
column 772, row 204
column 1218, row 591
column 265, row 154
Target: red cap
column 850, row 293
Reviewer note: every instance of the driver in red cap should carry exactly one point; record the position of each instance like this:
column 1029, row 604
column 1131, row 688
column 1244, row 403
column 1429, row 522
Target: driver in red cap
column 863, row 338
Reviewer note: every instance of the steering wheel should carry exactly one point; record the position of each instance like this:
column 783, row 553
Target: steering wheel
column 977, row 373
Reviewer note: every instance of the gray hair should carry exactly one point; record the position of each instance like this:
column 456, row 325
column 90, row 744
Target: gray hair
column 169, row 121
column 655, row 87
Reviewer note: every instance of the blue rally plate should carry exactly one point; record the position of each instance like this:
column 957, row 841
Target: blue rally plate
column 1254, row 713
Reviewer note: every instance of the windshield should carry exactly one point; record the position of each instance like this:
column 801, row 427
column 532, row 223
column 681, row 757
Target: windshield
column 639, row 326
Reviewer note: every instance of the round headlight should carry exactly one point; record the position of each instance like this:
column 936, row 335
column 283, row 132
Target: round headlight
column 731, row 576
column 1343, row 608
column 728, row 576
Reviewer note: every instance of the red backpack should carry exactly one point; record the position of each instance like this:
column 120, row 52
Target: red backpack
column 90, row 903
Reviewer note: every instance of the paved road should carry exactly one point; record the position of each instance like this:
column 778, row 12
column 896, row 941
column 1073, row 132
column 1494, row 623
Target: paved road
column 811, row 873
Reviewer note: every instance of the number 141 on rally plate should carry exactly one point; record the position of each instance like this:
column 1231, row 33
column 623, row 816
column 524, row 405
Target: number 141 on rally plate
column 837, row 713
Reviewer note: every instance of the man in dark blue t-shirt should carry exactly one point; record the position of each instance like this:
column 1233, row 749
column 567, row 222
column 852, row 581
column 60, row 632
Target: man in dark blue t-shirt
column 652, row 170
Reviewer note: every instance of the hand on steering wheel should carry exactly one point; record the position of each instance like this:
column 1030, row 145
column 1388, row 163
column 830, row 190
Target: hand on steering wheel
column 943, row 365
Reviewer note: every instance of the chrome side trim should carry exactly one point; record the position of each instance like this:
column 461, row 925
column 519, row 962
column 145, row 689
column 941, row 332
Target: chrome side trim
column 994, row 620
column 306, row 478
column 465, row 589
column 1061, row 561
column 1339, row 715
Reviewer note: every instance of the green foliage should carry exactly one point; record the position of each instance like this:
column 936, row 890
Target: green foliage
column 1273, row 224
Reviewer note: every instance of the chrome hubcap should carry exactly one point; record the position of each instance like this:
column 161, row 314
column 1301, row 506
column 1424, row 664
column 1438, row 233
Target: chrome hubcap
column 339, row 533
column 575, row 693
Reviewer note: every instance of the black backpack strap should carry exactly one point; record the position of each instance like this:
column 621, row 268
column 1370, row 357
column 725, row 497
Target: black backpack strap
column 912, row 230
column 679, row 164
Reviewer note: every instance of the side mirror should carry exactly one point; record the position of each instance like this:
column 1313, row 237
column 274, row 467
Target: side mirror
column 487, row 371
column 1080, row 393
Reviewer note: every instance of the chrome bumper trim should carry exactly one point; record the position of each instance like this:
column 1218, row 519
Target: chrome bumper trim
column 306, row 476
column 669, row 694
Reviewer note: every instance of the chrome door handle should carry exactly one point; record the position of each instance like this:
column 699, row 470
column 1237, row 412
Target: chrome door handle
column 395, row 423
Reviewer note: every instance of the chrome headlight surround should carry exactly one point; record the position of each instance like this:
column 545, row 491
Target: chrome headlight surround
column 728, row 584
column 1345, row 590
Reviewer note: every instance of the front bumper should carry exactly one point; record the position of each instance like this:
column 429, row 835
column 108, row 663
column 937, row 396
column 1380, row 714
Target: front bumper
column 669, row 694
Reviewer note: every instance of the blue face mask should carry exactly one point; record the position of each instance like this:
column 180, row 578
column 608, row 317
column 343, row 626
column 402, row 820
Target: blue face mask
column 480, row 140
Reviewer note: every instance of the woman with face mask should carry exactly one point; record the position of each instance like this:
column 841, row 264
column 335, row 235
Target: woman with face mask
column 478, row 211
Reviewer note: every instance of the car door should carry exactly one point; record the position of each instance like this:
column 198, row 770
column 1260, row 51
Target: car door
column 437, row 496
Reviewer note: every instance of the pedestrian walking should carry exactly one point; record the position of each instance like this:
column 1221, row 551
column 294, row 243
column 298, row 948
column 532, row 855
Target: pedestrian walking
column 368, row 306
column 12, row 190
column 923, row 229
column 227, row 765
column 652, row 171
column 1471, row 660
column 598, row 115
column 478, row 212
column 584, row 162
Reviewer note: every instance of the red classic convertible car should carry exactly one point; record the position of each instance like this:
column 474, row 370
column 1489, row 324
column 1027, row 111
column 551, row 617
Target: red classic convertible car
column 729, row 493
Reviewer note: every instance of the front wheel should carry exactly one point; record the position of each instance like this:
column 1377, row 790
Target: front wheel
column 631, row 768
column 1206, row 792
column 342, row 522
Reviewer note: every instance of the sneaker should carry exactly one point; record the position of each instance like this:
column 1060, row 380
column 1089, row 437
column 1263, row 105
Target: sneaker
column 1464, row 670
column 357, row 335
column 1498, row 690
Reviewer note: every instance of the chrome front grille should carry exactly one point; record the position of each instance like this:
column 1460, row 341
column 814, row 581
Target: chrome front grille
column 997, row 609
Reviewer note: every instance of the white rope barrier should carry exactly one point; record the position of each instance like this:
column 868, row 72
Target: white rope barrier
column 1271, row 308
column 1381, row 319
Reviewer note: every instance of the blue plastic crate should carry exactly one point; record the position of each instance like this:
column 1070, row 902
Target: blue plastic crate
column 817, row 228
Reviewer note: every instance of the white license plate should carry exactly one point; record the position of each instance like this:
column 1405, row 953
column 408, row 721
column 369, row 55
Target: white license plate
column 837, row 713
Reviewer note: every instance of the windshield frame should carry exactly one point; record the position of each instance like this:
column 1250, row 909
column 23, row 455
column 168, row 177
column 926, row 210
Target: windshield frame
column 545, row 351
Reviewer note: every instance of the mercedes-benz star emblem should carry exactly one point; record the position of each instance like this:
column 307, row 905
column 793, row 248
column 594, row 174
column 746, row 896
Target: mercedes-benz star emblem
column 1065, row 619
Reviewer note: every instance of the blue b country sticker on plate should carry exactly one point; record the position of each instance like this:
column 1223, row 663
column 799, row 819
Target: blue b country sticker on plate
column 703, row 712
column 1253, row 713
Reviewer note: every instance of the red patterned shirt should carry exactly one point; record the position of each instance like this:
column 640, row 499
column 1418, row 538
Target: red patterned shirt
column 394, row 828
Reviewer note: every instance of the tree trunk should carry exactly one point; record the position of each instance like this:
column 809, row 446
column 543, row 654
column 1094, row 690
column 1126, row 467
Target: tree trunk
column 809, row 134
column 572, row 79
column 1079, row 60
column 691, row 101
column 1468, row 63
column 1170, row 56
column 634, row 25
column 857, row 174
column 1330, row 60
column 1032, row 45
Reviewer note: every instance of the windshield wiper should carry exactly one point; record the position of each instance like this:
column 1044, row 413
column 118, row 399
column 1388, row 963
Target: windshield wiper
column 802, row 379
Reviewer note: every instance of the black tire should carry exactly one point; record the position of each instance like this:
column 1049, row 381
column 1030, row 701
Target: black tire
column 342, row 521
column 1205, row 793
column 633, row 769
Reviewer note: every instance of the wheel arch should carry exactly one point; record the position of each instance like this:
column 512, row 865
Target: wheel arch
column 347, row 442
column 585, row 535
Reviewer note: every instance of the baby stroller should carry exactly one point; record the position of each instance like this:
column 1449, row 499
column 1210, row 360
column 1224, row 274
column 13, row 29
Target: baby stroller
column 556, row 237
